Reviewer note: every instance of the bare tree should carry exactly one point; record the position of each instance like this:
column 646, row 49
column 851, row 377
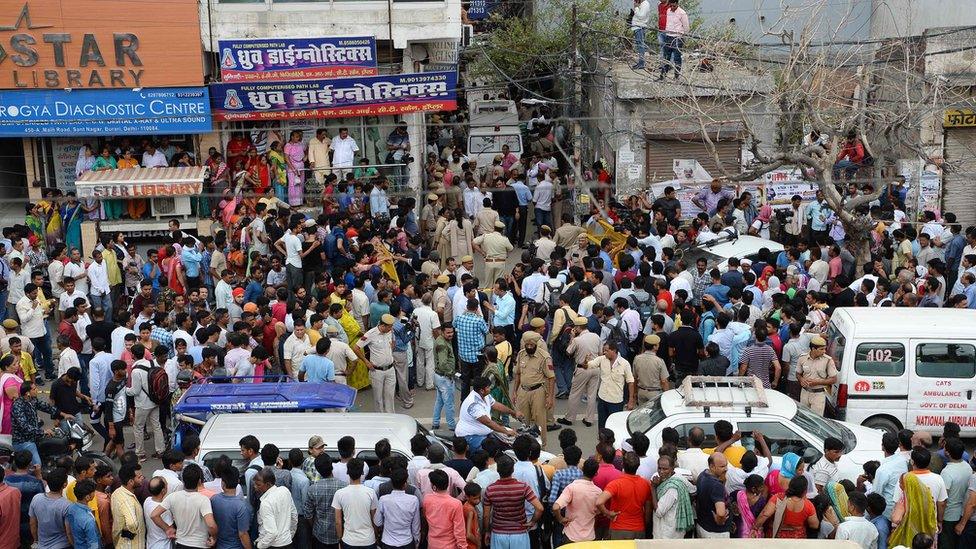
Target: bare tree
column 876, row 90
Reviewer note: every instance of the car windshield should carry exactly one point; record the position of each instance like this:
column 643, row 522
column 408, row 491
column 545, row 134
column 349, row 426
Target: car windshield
column 823, row 428
column 646, row 416
column 692, row 255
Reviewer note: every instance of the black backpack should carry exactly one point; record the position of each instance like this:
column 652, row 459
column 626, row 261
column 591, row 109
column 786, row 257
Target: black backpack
column 643, row 306
column 546, row 523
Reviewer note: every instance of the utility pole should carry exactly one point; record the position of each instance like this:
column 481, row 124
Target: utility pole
column 576, row 152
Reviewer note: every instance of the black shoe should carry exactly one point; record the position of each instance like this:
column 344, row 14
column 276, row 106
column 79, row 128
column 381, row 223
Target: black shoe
column 565, row 422
column 50, row 377
column 39, row 381
column 553, row 427
column 587, row 423
column 562, row 396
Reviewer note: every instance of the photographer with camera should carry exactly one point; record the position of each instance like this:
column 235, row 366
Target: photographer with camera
column 404, row 333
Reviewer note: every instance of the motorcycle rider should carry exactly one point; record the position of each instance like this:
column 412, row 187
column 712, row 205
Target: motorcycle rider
column 474, row 417
column 26, row 429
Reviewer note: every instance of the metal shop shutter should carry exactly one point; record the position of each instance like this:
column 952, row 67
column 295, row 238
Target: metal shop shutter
column 661, row 154
column 959, row 190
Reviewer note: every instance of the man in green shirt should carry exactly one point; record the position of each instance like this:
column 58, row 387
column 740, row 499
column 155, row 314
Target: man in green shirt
column 445, row 364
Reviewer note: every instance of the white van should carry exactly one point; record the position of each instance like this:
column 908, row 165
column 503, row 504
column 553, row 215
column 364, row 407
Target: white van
column 911, row 368
column 493, row 123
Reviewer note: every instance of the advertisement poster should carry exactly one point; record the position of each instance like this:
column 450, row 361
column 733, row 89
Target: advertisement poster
column 65, row 152
column 282, row 59
column 104, row 112
column 781, row 185
column 364, row 96
column 929, row 192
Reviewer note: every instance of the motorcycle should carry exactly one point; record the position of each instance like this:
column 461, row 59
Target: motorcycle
column 67, row 438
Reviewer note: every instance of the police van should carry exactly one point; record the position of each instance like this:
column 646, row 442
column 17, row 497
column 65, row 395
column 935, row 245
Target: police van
column 911, row 368
column 494, row 123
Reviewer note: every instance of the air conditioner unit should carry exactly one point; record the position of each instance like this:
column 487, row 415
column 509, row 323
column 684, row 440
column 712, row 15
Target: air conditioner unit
column 171, row 206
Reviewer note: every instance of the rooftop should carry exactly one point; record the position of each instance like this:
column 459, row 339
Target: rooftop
column 726, row 79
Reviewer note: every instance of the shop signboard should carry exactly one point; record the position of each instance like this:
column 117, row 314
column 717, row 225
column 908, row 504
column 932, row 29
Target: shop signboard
column 381, row 95
column 58, row 113
column 283, row 59
column 79, row 44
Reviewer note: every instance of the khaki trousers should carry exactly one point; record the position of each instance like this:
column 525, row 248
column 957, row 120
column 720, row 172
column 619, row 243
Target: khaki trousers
column 586, row 382
column 383, row 386
column 815, row 401
column 532, row 404
column 425, row 367
column 493, row 270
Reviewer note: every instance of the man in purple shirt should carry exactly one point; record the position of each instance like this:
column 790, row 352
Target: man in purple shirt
column 708, row 199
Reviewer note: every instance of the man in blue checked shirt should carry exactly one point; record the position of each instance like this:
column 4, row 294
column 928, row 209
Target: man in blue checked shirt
column 192, row 260
column 161, row 335
column 472, row 332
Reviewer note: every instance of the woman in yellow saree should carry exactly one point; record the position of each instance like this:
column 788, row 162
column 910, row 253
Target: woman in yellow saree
column 914, row 512
column 356, row 376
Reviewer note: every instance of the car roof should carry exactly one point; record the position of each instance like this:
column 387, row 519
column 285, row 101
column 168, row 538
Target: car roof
column 673, row 404
column 888, row 322
column 292, row 430
column 744, row 245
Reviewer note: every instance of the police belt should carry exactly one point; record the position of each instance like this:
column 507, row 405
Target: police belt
column 658, row 389
column 495, row 259
column 819, row 390
column 532, row 387
column 382, row 368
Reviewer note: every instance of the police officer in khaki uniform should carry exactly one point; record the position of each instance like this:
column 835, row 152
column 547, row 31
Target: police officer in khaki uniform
column 650, row 372
column 537, row 328
column 494, row 246
column 816, row 373
column 586, row 380
column 442, row 304
column 428, row 220
column 535, row 384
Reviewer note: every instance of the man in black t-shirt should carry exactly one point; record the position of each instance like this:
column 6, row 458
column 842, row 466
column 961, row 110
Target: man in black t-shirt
column 460, row 462
column 65, row 394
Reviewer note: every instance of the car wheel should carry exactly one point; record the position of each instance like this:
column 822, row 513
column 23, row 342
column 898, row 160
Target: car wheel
column 884, row 424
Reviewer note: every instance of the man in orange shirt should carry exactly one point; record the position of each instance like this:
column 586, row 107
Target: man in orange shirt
column 631, row 502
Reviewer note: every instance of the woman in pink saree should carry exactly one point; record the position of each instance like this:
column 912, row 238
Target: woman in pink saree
column 750, row 502
column 295, row 157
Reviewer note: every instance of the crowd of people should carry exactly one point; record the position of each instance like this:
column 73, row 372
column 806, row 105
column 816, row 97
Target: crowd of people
column 374, row 290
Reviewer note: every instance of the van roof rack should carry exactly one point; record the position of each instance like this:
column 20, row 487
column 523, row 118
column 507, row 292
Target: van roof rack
column 724, row 392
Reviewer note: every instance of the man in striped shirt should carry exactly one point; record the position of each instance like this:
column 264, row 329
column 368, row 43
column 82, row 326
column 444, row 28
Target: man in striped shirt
column 504, row 508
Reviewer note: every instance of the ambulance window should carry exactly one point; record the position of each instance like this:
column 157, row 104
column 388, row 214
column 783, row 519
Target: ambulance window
column 945, row 360
column 836, row 342
column 880, row 359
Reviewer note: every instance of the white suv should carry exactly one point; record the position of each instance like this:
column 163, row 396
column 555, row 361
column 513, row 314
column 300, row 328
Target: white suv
column 786, row 426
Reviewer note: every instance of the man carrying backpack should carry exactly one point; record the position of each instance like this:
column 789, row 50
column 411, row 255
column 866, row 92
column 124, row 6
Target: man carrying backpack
column 149, row 387
column 563, row 321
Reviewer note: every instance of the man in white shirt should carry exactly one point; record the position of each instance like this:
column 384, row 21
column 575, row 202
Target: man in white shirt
column 473, row 198
column 290, row 246
column 694, row 458
column 153, row 157
column 99, row 288
column 258, row 229
column 855, row 527
column 318, row 155
column 354, row 506
column 639, row 24
column 428, row 328
column 277, row 514
column 344, row 149
column 75, row 269
column 542, row 197
column 71, row 292
column 17, row 279
column 297, row 347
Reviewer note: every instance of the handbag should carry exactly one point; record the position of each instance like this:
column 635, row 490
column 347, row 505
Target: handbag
column 778, row 516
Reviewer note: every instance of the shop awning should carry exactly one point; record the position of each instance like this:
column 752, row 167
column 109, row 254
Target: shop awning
column 142, row 182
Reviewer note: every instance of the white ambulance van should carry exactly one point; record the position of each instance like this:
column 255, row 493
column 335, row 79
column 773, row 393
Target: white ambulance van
column 911, row 368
